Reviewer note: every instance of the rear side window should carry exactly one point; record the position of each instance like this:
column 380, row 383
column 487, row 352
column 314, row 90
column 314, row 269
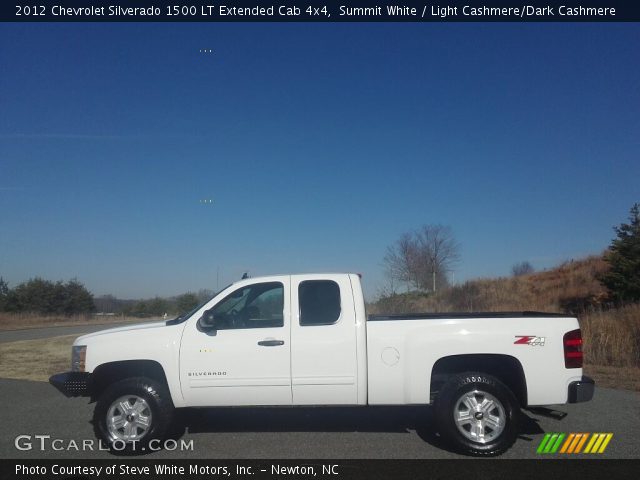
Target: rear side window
column 319, row 302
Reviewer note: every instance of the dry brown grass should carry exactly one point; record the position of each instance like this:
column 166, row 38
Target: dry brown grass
column 626, row 378
column 612, row 337
column 18, row 321
column 571, row 287
column 35, row 359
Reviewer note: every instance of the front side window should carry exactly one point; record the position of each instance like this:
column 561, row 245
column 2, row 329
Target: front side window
column 319, row 302
column 255, row 306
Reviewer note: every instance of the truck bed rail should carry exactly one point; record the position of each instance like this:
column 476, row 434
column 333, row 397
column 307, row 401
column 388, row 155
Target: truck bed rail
column 435, row 316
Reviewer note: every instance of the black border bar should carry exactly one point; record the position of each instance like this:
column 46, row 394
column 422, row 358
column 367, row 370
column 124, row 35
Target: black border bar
column 319, row 11
column 333, row 469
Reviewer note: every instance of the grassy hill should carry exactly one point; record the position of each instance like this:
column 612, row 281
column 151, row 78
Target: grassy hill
column 611, row 334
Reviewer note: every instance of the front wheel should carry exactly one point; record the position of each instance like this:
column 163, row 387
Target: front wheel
column 132, row 412
column 477, row 414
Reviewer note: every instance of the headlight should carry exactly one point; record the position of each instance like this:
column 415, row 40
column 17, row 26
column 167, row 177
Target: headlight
column 78, row 356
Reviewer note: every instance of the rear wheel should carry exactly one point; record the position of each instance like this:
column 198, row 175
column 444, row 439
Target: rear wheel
column 477, row 414
column 132, row 412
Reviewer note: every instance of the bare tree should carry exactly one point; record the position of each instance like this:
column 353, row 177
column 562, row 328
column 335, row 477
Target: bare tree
column 423, row 258
column 522, row 268
column 401, row 261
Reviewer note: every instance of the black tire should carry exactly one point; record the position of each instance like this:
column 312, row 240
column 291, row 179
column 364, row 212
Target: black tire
column 157, row 400
column 471, row 386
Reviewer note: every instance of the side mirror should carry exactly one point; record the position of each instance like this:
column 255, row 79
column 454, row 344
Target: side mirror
column 208, row 320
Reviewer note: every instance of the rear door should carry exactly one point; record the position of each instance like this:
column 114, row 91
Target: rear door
column 323, row 341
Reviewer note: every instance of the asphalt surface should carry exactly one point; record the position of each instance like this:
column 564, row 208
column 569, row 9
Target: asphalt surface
column 38, row 333
column 36, row 408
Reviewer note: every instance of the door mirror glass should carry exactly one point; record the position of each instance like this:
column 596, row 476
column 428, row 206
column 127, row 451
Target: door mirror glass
column 208, row 320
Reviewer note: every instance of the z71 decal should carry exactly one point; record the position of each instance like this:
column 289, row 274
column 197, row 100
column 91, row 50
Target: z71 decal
column 529, row 340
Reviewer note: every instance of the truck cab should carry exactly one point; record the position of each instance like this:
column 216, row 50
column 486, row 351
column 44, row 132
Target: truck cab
column 282, row 340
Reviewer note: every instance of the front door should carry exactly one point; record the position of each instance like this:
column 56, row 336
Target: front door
column 245, row 359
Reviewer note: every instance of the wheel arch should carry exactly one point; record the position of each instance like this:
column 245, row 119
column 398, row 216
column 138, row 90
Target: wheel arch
column 108, row 373
column 505, row 368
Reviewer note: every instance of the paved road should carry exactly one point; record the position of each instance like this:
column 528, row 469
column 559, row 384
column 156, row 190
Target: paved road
column 47, row 332
column 34, row 408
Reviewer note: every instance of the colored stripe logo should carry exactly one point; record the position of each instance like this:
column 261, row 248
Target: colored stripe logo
column 573, row 443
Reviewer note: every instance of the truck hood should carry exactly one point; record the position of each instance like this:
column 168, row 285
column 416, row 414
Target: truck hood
column 137, row 326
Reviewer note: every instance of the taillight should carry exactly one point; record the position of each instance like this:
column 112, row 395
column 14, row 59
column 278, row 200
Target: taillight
column 572, row 342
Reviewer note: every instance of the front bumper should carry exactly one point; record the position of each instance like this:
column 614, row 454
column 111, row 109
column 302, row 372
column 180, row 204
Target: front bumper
column 582, row 390
column 72, row 384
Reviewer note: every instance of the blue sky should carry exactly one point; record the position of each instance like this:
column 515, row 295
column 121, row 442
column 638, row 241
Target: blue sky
column 319, row 145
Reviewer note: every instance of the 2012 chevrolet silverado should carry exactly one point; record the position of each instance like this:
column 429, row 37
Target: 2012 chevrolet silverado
column 306, row 340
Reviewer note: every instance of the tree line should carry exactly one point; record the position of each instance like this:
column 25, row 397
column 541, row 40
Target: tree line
column 421, row 259
column 46, row 297
column 152, row 307
column 623, row 278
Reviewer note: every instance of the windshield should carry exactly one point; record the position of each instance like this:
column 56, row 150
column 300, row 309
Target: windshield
column 186, row 316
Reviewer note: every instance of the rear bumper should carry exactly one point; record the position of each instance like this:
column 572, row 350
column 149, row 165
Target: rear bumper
column 72, row 384
column 582, row 390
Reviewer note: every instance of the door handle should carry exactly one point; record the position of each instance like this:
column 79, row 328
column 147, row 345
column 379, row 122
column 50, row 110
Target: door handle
column 271, row 343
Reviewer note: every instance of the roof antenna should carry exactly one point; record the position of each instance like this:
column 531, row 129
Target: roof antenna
column 245, row 275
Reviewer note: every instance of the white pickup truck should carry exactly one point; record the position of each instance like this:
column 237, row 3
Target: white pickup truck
column 306, row 340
